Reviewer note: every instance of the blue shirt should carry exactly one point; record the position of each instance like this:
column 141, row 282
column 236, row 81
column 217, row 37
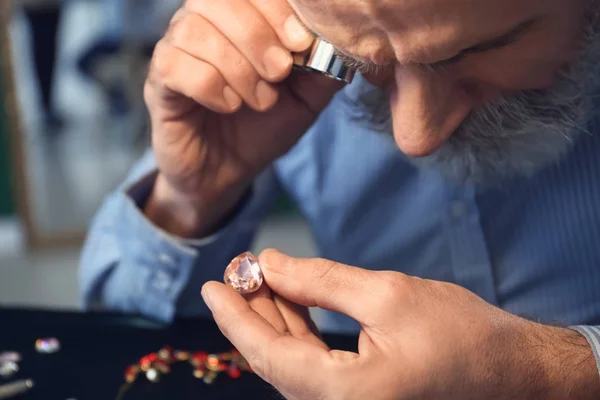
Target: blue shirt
column 530, row 245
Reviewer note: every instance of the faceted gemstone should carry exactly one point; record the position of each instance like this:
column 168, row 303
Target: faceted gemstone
column 213, row 360
column 8, row 369
column 222, row 366
column 10, row 356
column 210, row 377
column 234, row 371
column 199, row 373
column 145, row 363
column 244, row 274
column 199, row 358
column 166, row 353
column 131, row 373
column 47, row 345
column 181, row 355
column 163, row 367
column 153, row 375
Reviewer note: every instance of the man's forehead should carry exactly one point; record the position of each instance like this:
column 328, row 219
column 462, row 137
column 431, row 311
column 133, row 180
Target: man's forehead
column 402, row 28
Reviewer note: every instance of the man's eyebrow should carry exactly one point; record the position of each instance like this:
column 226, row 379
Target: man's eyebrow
column 510, row 37
column 354, row 62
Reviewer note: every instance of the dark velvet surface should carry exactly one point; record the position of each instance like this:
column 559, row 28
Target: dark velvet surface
column 96, row 349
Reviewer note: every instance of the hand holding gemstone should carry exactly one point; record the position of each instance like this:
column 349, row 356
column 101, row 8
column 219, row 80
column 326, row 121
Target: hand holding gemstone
column 243, row 274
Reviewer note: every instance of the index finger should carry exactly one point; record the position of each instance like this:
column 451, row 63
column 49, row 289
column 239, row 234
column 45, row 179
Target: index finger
column 286, row 23
column 290, row 364
column 250, row 32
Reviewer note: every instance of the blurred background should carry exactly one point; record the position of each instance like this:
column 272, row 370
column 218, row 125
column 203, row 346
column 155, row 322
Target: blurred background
column 72, row 123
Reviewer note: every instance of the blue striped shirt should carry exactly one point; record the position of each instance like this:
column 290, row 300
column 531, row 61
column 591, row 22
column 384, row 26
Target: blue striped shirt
column 530, row 245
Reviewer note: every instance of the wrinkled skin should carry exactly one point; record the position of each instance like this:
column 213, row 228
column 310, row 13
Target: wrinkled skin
column 403, row 33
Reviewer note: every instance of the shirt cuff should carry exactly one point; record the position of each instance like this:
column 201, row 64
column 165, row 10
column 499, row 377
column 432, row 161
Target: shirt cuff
column 592, row 335
column 141, row 190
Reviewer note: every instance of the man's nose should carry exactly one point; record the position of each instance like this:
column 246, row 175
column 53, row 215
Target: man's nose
column 427, row 107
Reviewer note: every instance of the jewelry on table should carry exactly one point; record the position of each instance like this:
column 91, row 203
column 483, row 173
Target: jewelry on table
column 243, row 274
column 205, row 366
column 9, row 363
column 8, row 356
column 13, row 389
column 47, row 345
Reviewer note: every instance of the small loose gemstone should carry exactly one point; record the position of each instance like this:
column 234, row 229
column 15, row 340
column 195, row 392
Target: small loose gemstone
column 8, row 369
column 166, row 353
column 199, row 358
column 234, row 371
column 153, row 375
column 212, row 360
column 47, row 345
column 10, row 356
column 145, row 363
column 210, row 377
column 199, row 373
column 162, row 367
column 181, row 355
column 244, row 274
column 131, row 373
column 153, row 357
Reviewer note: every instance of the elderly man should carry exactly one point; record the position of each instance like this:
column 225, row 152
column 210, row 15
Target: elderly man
column 493, row 198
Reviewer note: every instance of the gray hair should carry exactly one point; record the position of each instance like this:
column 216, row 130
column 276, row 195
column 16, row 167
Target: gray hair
column 517, row 134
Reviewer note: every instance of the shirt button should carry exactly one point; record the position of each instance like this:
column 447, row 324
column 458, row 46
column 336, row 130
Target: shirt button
column 166, row 259
column 458, row 209
column 162, row 281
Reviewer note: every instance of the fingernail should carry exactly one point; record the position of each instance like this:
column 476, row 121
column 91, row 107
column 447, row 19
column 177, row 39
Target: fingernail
column 277, row 61
column 266, row 95
column 231, row 97
column 206, row 298
column 295, row 31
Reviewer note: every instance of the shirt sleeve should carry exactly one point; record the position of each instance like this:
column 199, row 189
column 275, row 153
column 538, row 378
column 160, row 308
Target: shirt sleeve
column 592, row 335
column 129, row 264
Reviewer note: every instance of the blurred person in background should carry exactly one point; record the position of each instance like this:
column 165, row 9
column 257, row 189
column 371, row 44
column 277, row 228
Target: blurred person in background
column 44, row 18
column 488, row 214
column 116, row 61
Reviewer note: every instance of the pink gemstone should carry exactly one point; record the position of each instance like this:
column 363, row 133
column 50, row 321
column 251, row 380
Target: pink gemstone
column 244, row 274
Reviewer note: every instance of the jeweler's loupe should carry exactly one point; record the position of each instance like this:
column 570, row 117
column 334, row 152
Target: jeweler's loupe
column 321, row 58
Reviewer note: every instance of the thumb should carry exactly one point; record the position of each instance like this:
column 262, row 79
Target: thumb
column 317, row 282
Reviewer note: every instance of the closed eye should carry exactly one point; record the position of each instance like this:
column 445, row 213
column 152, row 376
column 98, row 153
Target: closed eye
column 364, row 67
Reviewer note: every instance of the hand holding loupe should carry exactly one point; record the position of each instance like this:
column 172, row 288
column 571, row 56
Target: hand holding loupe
column 321, row 58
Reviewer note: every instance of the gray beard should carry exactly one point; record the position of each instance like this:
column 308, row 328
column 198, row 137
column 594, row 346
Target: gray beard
column 518, row 134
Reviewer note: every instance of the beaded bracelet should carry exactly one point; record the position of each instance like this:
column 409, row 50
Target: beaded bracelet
column 205, row 366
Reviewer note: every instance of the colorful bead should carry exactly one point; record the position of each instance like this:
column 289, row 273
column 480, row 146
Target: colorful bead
column 47, row 345
column 199, row 373
column 210, row 377
column 199, row 358
column 153, row 375
column 181, row 355
column 162, row 367
column 207, row 366
column 166, row 353
column 145, row 360
column 10, row 356
column 234, row 371
column 212, row 360
column 8, row 369
column 131, row 373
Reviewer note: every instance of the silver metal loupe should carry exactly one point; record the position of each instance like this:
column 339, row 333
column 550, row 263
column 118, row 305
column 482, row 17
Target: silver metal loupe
column 321, row 58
